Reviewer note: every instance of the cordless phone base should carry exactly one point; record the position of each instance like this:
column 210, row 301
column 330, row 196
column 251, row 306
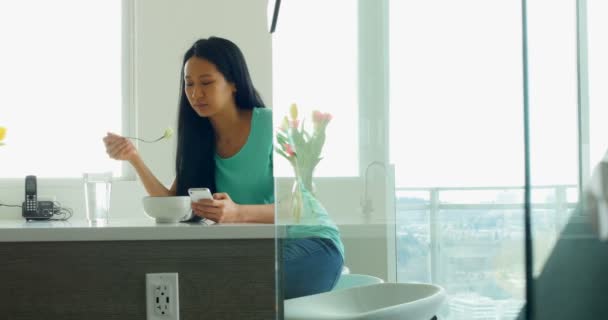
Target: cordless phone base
column 44, row 211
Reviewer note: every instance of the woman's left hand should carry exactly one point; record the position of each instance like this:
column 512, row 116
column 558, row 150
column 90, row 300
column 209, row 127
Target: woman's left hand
column 221, row 209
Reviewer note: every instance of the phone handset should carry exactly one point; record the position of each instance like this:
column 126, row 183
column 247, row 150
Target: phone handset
column 31, row 196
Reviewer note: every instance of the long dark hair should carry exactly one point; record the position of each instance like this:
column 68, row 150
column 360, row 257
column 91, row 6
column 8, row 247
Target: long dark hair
column 194, row 163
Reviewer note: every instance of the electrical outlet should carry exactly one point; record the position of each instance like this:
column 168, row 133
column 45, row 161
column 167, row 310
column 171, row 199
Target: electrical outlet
column 162, row 296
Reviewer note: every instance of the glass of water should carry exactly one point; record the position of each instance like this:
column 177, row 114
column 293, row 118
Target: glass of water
column 97, row 189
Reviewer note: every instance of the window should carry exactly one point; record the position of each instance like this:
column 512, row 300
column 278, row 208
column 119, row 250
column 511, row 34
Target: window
column 315, row 66
column 61, row 86
column 456, row 104
column 456, row 139
column 597, row 27
column 455, row 95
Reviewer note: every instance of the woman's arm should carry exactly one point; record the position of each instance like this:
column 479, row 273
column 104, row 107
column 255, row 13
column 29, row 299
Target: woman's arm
column 222, row 209
column 256, row 213
column 121, row 148
column 154, row 187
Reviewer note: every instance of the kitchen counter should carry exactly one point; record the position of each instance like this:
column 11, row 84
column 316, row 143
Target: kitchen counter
column 48, row 265
column 147, row 229
column 140, row 229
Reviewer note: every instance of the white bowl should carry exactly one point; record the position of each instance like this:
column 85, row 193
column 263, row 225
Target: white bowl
column 167, row 209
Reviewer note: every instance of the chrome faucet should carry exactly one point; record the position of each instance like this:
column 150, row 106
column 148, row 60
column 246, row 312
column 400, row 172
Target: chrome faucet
column 366, row 203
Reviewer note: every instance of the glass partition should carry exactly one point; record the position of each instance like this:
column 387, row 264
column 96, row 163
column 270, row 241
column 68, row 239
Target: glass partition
column 436, row 169
column 568, row 70
column 331, row 173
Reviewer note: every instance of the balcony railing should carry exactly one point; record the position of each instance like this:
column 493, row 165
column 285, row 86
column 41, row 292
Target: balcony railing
column 454, row 244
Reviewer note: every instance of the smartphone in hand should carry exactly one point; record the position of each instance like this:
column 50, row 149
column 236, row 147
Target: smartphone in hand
column 197, row 194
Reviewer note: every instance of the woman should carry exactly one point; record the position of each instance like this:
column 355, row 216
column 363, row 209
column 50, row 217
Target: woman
column 224, row 143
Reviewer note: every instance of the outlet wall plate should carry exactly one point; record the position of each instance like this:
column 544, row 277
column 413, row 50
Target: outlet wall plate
column 162, row 296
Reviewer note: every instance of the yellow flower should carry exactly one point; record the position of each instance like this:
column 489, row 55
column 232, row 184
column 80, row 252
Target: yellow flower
column 293, row 111
column 285, row 124
column 2, row 133
column 168, row 133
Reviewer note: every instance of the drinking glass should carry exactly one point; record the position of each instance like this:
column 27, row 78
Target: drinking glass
column 97, row 189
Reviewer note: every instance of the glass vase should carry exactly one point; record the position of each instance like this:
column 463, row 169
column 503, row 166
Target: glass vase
column 303, row 181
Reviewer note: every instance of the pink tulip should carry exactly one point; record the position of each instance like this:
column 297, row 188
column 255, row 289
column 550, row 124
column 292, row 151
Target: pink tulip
column 327, row 117
column 289, row 150
column 294, row 123
column 317, row 116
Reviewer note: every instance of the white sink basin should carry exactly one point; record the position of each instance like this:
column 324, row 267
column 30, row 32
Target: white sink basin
column 383, row 301
column 347, row 281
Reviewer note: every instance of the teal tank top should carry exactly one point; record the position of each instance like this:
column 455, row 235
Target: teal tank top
column 248, row 178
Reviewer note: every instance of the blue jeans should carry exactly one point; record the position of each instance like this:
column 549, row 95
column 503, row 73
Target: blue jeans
column 310, row 266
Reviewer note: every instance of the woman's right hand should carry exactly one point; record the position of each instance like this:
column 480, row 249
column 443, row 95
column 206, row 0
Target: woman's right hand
column 119, row 147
